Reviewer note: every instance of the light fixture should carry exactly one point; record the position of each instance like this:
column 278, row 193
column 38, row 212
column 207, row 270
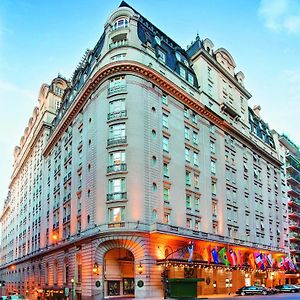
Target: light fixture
column 72, row 280
column 140, row 268
column 95, row 268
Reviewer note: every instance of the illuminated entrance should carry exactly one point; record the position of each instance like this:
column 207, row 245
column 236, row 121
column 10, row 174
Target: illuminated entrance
column 119, row 273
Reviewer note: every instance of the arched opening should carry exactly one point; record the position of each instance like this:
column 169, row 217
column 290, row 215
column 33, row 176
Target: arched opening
column 119, row 273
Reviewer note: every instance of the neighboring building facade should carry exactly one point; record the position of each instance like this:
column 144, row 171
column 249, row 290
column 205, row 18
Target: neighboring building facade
column 291, row 156
column 152, row 147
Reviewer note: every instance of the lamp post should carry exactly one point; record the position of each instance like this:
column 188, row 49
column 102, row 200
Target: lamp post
column 73, row 289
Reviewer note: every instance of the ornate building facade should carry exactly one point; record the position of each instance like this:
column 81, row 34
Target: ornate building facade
column 146, row 169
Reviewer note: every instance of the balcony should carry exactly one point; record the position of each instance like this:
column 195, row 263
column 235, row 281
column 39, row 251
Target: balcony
column 226, row 106
column 294, row 225
column 293, row 179
column 117, row 115
column 294, row 236
column 117, row 140
column 294, row 191
column 116, row 196
column 117, row 168
column 294, row 214
column 117, row 89
column 117, row 44
column 294, row 202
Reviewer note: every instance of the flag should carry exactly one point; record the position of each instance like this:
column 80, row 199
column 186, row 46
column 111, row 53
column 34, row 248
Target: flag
column 295, row 263
column 251, row 261
column 265, row 259
column 259, row 260
column 280, row 264
column 239, row 259
column 290, row 264
column 232, row 257
column 223, row 256
column 270, row 260
column 208, row 250
column 214, row 254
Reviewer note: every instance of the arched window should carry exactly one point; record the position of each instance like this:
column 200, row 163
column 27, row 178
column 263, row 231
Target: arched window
column 120, row 23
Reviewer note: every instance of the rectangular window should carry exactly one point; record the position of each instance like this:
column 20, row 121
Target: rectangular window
column 165, row 121
column 187, row 178
column 166, row 195
column 116, row 158
column 118, row 57
column 117, row 131
column 190, row 78
column 213, row 189
column 161, row 55
column 116, row 185
column 196, row 181
column 117, row 84
column 182, row 72
column 187, row 155
column 195, row 138
column 188, row 223
column 166, row 218
column 116, row 214
column 197, row 225
column 186, row 133
column 213, row 167
column 194, row 118
column 117, row 106
column 188, row 201
column 212, row 147
column 195, row 157
column 166, row 170
column 234, row 215
column 209, row 89
column 197, row 203
column 186, row 112
column 164, row 99
column 228, row 214
column 165, row 144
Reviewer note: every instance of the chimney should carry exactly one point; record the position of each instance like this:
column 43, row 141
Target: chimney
column 257, row 110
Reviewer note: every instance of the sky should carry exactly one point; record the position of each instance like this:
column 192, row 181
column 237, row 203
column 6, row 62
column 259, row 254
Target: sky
column 39, row 39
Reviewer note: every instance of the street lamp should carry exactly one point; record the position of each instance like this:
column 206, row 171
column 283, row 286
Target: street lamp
column 73, row 289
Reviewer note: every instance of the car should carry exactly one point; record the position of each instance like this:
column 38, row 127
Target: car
column 3, row 297
column 253, row 290
column 287, row 288
column 16, row 297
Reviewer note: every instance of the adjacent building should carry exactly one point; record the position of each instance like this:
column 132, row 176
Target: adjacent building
column 146, row 168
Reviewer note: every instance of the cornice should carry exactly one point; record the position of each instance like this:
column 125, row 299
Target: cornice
column 131, row 67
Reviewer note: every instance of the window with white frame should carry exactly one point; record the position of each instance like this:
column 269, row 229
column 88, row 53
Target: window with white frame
column 116, row 214
column 165, row 120
column 117, row 131
column 116, row 185
column 195, row 158
column 188, row 201
column 190, row 78
column 186, row 112
column 187, row 155
column 164, row 99
column 213, row 166
column 166, row 170
column 182, row 72
column 197, row 203
column 166, row 194
column 161, row 55
column 116, row 158
column 186, row 133
column 165, row 144
column 195, row 137
column 116, row 106
column 167, row 218
column 120, row 23
column 196, row 181
column 187, row 178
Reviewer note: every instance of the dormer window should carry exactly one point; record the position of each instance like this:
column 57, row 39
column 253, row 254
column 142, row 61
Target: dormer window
column 161, row 55
column 120, row 23
column 157, row 40
column 190, row 79
column 182, row 72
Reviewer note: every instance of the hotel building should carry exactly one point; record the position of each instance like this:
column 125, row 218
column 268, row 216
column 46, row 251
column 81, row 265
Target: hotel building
column 131, row 176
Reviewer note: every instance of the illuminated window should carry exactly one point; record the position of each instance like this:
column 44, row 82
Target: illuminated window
column 116, row 214
column 116, row 158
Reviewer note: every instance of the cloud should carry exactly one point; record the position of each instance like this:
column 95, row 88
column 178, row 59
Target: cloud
column 281, row 15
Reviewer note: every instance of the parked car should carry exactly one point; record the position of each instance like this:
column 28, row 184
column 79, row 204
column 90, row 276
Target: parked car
column 253, row 290
column 16, row 297
column 287, row 288
column 3, row 297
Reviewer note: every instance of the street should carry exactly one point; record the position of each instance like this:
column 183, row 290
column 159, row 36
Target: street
column 270, row 297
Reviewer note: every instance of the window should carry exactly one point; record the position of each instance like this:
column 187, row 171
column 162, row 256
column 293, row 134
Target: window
column 161, row 55
column 164, row 99
column 165, row 144
column 188, row 223
column 228, row 213
column 212, row 147
column 120, row 23
column 117, row 106
column 166, row 170
column 166, row 195
column 187, row 178
column 118, row 57
column 188, row 201
column 182, row 72
column 116, row 214
column 117, row 131
column 116, row 158
column 187, row 155
column 117, row 84
column 116, row 185
column 196, row 181
column 209, row 72
column 195, row 156
column 195, row 138
column 186, row 112
column 194, row 118
column 197, row 225
column 197, row 203
column 166, row 218
column 213, row 167
column 190, row 78
column 213, row 189
column 209, row 89
column 165, row 121
column 234, row 215
column 186, row 133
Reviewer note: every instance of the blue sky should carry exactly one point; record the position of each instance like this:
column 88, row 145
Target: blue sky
column 39, row 39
